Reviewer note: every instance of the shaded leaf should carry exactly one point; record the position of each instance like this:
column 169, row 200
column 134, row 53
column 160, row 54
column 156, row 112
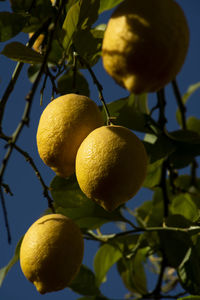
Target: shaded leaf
column 130, row 112
column 108, row 4
column 88, row 45
column 66, row 82
column 70, row 201
column 88, row 13
column 10, row 25
column 105, row 258
column 33, row 71
column 132, row 272
column 158, row 147
column 187, row 147
column 191, row 90
column 20, row 5
column 190, row 298
column 174, row 245
column 85, row 282
column 19, row 52
column 189, row 271
column 15, row 258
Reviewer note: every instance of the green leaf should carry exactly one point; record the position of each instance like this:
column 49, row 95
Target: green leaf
column 88, row 44
column 66, row 82
column 184, row 205
column 70, row 201
column 108, row 4
column 193, row 124
column 85, row 282
column 153, row 174
column 131, row 112
column 105, row 258
column 19, row 52
column 10, row 25
column 88, row 13
column 158, row 147
column 174, row 245
column 33, row 71
column 189, row 271
column 15, row 258
column 191, row 90
column 190, row 298
column 187, row 147
column 150, row 213
column 70, row 24
column 132, row 272
column 20, row 5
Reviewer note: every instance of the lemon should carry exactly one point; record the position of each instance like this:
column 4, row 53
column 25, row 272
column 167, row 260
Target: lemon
column 63, row 125
column 38, row 42
column 51, row 252
column 111, row 165
column 145, row 44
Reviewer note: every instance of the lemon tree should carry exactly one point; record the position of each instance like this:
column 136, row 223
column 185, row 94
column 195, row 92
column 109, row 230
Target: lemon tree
column 117, row 172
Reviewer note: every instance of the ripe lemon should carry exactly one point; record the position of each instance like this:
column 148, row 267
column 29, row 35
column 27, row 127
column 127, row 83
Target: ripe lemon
column 37, row 44
column 145, row 44
column 111, row 165
column 51, row 252
column 63, row 125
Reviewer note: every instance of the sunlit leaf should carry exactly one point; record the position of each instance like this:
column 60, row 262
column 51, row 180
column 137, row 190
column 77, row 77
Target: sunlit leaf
column 70, row 201
column 108, row 4
column 85, row 282
column 184, row 205
column 132, row 272
column 153, row 174
column 105, row 258
column 4, row 270
column 70, row 24
column 10, row 25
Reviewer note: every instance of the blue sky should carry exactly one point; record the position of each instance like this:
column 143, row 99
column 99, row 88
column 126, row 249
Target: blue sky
column 28, row 202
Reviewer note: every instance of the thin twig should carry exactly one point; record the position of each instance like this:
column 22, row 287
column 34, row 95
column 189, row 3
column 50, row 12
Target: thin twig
column 45, row 187
column 99, row 87
column 180, row 103
column 163, row 186
column 5, row 215
column 161, row 105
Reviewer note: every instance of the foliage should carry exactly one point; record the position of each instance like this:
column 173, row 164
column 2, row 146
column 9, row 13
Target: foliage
column 161, row 236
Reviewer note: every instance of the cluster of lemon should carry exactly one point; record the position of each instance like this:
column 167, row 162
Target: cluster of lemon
column 144, row 47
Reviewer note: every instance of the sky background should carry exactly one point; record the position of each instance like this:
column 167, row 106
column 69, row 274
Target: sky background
column 28, row 202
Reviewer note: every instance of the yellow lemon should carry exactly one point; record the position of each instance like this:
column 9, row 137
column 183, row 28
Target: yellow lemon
column 63, row 125
column 38, row 43
column 145, row 44
column 51, row 252
column 111, row 165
